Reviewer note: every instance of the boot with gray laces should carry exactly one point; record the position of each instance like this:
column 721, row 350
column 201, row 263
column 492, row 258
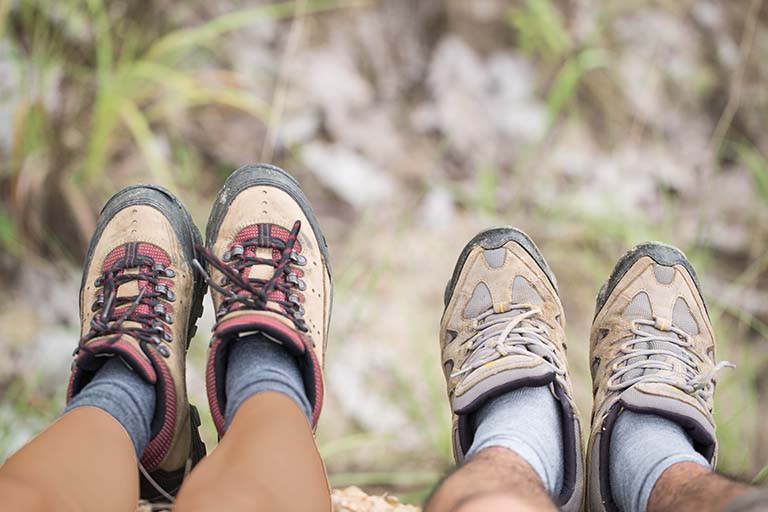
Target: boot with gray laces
column 503, row 330
column 652, row 352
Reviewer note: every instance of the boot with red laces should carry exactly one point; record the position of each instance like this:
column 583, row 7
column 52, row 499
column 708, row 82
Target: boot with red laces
column 267, row 265
column 139, row 300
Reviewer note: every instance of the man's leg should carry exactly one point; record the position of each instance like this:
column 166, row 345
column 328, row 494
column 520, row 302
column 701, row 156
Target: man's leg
column 494, row 479
column 517, row 452
column 690, row 487
column 516, row 427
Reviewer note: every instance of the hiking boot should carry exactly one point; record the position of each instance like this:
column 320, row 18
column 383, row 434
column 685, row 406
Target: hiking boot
column 503, row 329
column 653, row 351
column 140, row 298
column 268, row 268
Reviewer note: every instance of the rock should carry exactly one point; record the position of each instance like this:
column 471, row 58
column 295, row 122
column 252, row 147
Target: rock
column 350, row 499
column 354, row 178
column 353, row 499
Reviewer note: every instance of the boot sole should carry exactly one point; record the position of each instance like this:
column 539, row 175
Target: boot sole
column 662, row 254
column 495, row 238
column 183, row 226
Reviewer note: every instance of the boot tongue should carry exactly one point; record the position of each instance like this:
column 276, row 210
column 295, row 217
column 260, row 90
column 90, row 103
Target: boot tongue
column 262, row 271
column 131, row 289
column 640, row 308
column 265, row 272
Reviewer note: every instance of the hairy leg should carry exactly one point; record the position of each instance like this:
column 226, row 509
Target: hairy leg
column 85, row 461
column 267, row 460
column 495, row 479
column 690, row 487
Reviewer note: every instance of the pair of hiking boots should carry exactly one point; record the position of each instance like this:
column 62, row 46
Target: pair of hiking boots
column 652, row 349
column 266, row 262
column 142, row 290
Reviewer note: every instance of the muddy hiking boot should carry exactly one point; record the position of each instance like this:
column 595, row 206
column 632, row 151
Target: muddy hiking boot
column 652, row 351
column 503, row 329
column 140, row 298
column 267, row 264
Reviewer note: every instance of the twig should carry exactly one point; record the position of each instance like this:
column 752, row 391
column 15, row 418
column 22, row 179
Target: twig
column 281, row 87
column 737, row 82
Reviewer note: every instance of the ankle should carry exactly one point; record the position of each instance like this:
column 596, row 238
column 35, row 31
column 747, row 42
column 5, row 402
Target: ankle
column 494, row 474
column 688, row 486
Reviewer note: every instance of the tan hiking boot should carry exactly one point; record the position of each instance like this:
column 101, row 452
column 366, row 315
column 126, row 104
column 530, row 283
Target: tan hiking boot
column 503, row 329
column 139, row 300
column 269, row 270
column 653, row 351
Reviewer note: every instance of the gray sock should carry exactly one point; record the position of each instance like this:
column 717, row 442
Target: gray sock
column 257, row 364
column 528, row 422
column 120, row 392
column 642, row 447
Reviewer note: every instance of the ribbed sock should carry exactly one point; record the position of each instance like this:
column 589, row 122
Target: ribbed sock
column 642, row 447
column 120, row 392
column 528, row 422
column 257, row 364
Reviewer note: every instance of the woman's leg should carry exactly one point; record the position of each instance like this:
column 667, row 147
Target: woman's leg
column 84, row 461
column 267, row 461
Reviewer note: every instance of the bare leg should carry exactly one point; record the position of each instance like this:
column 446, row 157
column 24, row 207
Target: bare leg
column 691, row 487
column 266, row 461
column 494, row 479
column 85, row 461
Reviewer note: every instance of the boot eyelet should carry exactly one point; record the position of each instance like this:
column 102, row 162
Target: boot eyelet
column 168, row 319
column 298, row 259
column 236, row 251
column 170, row 295
column 170, row 273
column 164, row 351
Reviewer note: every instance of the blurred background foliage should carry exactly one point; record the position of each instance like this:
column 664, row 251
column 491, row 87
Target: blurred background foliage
column 411, row 125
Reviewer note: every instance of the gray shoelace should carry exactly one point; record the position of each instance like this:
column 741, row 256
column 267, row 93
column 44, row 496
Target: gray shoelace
column 509, row 329
column 698, row 385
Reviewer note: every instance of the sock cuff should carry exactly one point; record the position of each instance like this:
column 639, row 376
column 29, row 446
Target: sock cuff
column 123, row 395
column 256, row 365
